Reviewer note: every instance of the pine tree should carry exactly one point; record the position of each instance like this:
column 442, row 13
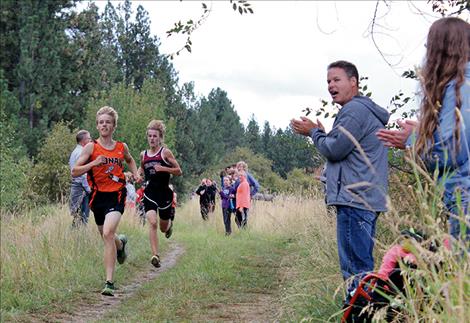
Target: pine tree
column 252, row 136
column 40, row 77
column 266, row 138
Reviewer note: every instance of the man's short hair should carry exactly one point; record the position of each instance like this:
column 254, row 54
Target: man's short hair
column 349, row 68
column 80, row 135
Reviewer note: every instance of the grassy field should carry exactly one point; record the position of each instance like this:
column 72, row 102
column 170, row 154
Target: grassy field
column 284, row 267
column 47, row 266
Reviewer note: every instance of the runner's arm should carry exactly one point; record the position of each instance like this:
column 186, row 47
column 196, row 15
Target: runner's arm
column 80, row 167
column 131, row 163
column 175, row 169
column 140, row 171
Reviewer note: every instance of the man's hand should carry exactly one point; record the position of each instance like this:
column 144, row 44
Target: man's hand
column 397, row 138
column 304, row 126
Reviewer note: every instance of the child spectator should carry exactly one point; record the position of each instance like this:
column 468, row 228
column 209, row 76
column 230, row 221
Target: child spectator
column 226, row 194
column 131, row 196
column 139, row 203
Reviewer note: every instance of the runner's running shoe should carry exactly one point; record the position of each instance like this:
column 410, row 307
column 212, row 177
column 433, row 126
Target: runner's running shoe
column 108, row 289
column 121, row 254
column 169, row 232
column 156, row 261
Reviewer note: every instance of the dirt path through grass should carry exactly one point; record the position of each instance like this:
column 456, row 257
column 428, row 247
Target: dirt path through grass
column 248, row 305
column 257, row 307
column 104, row 304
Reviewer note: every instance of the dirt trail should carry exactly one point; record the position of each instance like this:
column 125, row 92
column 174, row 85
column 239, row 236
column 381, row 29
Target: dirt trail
column 254, row 306
column 259, row 307
column 95, row 311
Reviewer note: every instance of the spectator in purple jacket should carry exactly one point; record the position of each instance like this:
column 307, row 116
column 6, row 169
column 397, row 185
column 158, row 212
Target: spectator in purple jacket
column 227, row 194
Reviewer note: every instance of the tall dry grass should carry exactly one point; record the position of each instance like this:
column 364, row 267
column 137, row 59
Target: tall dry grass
column 288, row 215
column 309, row 272
column 438, row 291
column 46, row 264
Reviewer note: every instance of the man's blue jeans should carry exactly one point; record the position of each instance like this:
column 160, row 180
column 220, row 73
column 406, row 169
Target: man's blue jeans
column 355, row 237
column 79, row 203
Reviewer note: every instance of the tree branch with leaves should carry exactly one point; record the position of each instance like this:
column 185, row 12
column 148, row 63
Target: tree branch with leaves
column 187, row 28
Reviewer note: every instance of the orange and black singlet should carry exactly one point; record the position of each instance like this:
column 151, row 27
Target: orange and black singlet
column 108, row 177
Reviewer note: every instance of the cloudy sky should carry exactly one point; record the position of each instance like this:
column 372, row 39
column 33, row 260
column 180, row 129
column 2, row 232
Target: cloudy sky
column 273, row 63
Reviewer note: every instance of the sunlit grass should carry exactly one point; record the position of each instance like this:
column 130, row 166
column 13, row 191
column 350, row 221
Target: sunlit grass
column 47, row 265
column 309, row 271
column 217, row 278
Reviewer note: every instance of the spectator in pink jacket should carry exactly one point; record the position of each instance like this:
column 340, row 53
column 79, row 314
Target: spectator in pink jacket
column 243, row 200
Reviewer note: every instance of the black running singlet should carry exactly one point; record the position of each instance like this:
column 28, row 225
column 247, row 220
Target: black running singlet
column 154, row 178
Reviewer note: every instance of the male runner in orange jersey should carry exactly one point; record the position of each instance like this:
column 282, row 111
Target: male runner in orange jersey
column 103, row 160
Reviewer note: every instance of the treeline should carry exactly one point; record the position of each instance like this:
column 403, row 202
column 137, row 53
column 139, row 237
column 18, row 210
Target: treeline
column 59, row 65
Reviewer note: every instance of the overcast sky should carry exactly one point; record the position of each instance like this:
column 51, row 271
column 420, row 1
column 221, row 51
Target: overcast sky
column 273, row 63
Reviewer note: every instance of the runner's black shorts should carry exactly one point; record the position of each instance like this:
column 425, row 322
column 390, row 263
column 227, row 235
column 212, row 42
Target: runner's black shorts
column 159, row 200
column 102, row 203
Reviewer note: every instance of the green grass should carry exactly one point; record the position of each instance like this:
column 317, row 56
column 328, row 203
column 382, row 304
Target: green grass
column 47, row 266
column 284, row 267
column 215, row 274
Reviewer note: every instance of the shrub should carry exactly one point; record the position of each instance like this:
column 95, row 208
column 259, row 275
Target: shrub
column 301, row 183
column 14, row 174
column 50, row 178
column 15, row 165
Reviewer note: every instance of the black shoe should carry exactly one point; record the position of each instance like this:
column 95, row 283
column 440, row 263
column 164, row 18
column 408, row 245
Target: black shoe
column 169, row 232
column 155, row 261
column 121, row 254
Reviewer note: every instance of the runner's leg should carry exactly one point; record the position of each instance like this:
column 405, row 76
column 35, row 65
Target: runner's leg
column 164, row 225
column 153, row 227
column 111, row 242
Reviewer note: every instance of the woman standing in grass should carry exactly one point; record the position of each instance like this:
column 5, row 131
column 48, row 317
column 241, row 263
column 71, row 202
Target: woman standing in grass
column 103, row 160
column 243, row 199
column 158, row 163
column 241, row 166
column 443, row 129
